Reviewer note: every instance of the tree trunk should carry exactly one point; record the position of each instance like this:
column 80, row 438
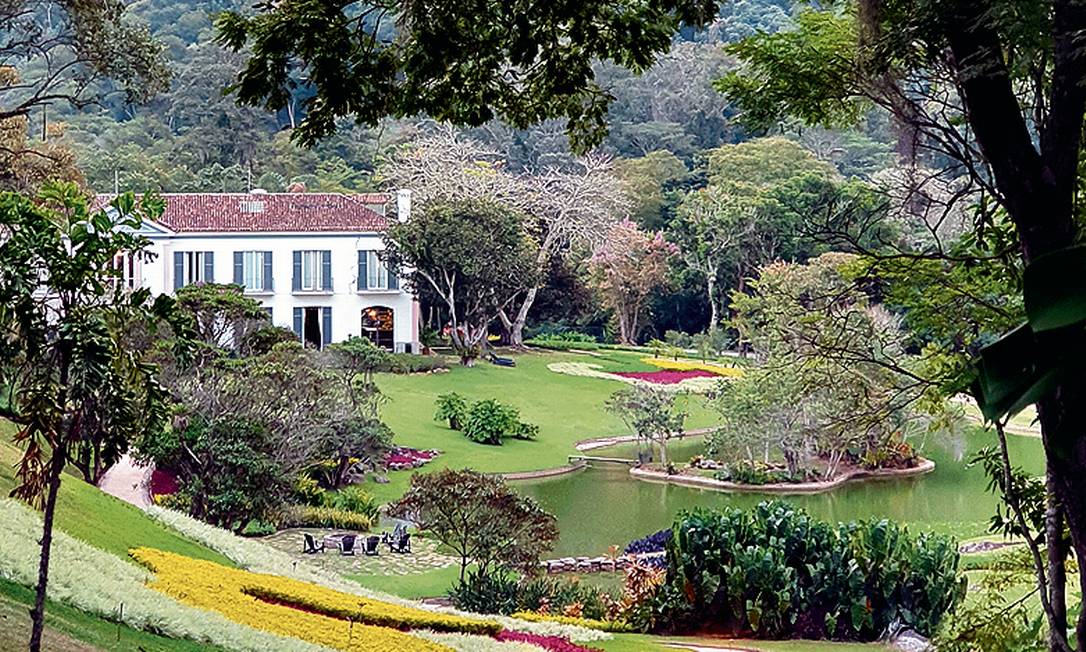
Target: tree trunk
column 714, row 312
column 37, row 614
column 1057, row 550
column 514, row 328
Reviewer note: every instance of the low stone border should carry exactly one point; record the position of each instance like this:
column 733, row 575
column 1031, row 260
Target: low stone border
column 648, row 475
column 545, row 473
column 595, row 564
column 603, row 442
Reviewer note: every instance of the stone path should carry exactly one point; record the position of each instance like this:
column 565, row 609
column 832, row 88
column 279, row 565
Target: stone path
column 129, row 481
column 424, row 555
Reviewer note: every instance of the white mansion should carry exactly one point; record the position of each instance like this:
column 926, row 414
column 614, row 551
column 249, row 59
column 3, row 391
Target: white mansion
column 311, row 259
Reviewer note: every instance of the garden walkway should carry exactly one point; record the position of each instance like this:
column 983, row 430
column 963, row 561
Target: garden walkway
column 129, row 481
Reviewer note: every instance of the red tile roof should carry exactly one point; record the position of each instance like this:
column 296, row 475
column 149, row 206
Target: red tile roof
column 271, row 212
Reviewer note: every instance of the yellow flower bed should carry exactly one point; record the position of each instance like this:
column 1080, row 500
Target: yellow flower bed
column 690, row 365
column 337, row 620
column 591, row 623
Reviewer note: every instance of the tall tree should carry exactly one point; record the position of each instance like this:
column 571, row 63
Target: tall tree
column 567, row 210
column 626, row 270
column 1014, row 73
column 63, row 321
column 476, row 256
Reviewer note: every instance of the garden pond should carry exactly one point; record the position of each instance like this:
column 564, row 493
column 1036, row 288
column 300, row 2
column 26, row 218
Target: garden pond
column 603, row 506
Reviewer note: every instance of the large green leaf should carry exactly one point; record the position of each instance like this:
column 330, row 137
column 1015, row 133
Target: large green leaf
column 1054, row 289
column 1006, row 370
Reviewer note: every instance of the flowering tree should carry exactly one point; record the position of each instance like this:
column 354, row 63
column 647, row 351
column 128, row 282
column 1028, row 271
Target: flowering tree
column 566, row 210
column 626, row 270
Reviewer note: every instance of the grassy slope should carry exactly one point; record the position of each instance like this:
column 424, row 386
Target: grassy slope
column 71, row 630
column 566, row 408
column 101, row 520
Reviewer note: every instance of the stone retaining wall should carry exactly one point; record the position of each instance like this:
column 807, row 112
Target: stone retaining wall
column 595, row 564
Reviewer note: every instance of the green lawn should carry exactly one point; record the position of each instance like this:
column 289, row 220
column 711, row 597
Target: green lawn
column 71, row 630
column 99, row 519
column 566, row 408
column 428, row 584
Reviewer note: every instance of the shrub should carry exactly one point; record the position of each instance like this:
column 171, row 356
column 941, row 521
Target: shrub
column 775, row 571
column 307, row 491
column 559, row 595
column 488, row 421
column 409, row 363
column 452, row 408
column 324, row 517
column 353, row 499
column 486, row 593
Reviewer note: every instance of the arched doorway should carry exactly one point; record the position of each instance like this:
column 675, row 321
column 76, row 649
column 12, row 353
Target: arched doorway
column 377, row 326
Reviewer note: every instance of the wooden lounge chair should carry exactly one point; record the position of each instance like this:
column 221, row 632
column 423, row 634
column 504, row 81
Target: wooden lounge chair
column 310, row 545
column 371, row 546
column 402, row 544
column 501, row 362
column 346, row 544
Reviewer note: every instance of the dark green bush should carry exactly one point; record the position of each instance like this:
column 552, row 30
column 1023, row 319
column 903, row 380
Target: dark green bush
column 501, row 593
column 452, row 408
column 488, row 422
column 775, row 572
column 492, row 593
column 409, row 363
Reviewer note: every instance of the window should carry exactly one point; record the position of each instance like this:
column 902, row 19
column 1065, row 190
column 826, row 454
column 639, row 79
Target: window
column 313, row 271
column 373, row 273
column 128, row 271
column 253, row 270
column 193, row 267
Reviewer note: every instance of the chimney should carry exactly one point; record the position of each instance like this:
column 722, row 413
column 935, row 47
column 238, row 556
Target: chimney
column 403, row 205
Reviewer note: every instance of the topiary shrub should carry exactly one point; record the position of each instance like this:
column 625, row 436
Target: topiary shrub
column 452, row 408
column 486, row 593
column 773, row 571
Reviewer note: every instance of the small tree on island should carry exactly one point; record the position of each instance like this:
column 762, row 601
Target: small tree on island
column 475, row 255
column 480, row 518
column 651, row 414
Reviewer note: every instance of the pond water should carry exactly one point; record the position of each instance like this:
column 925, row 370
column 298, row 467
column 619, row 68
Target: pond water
column 603, row 506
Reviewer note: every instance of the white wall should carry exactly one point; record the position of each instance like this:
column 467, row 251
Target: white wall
column 345, row 300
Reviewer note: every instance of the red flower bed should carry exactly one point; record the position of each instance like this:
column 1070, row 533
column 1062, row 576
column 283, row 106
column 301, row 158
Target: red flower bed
column 163, row 483
column 399, row 459
column 666, row 376
column 552, row 643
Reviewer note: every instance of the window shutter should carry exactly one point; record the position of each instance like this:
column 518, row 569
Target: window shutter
column 393, row 279
column 298, row 322
column 363, row 271
column 326, row 270
column 178, row 270
column 239, row 268
column 271, row 314
column 209, row 267
column 326, row 326
column 268, row 271
column 297, row 283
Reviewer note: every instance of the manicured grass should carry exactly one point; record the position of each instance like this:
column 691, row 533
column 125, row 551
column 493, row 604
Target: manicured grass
column 71, row 630
column 429, row 584
column 566, row 408
column 99, row 519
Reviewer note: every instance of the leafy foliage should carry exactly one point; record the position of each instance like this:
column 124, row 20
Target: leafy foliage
column 775, row 571
column 480, row 518
column 651, row 414
column 488, row 421
column 453, row 408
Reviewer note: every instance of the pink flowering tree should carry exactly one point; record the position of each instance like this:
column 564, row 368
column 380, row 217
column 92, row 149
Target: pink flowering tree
column 626, row 270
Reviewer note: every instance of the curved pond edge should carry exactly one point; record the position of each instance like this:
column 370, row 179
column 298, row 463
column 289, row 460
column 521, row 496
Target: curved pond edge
column 647, row 475
column 545, row 473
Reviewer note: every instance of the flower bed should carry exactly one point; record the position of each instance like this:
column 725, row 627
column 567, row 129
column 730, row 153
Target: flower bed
column 692, row 365
column 256, row 556
column 401, row 458
column 211, row 586
column 699, row 383
column 602, row 625
column 163, row 483
column 551, row 643
column 665, row 377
